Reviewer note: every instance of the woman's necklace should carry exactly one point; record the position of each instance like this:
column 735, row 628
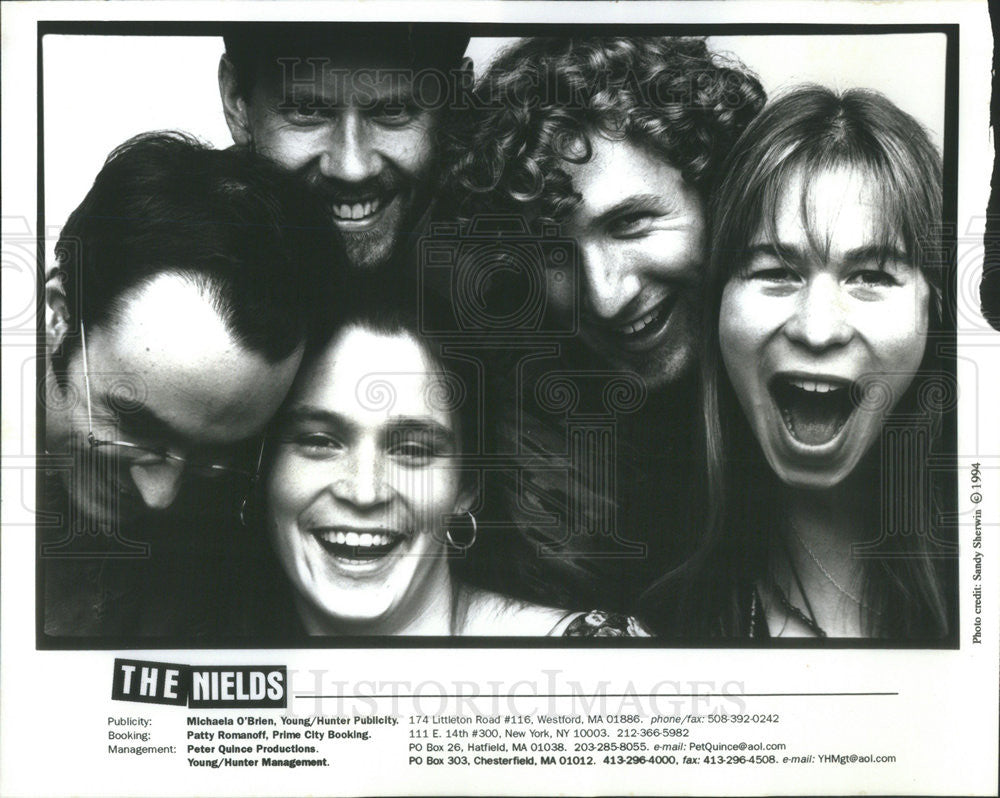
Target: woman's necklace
column 857, row 600
column 794, row 611
column 791, row 611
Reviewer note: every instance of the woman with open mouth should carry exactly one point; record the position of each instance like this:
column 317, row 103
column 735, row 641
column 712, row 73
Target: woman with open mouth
column 368, row 496
column 823, row 388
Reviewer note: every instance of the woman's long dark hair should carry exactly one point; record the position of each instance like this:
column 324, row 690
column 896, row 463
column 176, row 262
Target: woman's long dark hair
column 909, row 573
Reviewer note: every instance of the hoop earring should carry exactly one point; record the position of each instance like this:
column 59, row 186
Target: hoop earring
column 243, row 511
column 471, row 542
column 248, row 507
column 249, row 497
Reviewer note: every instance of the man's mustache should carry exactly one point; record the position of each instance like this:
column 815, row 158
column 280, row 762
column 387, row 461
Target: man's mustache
column 332, row 190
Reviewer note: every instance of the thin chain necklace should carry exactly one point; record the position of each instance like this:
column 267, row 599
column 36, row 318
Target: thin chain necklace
column 785, row 602
column 791, row 609
column 829, row 576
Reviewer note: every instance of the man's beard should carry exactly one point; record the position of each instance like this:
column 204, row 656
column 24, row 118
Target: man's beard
column 371, row 250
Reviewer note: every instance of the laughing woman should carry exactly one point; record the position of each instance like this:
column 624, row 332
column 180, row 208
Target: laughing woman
column 368, row 502
column 822, row 382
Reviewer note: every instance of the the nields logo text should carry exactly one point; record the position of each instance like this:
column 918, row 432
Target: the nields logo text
column 196, row 686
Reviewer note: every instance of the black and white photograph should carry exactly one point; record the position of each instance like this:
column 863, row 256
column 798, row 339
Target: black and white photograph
column 362, row 340
column 582, row 334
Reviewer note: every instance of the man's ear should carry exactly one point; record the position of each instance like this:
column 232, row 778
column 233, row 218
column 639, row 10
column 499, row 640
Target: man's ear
column 234, row 104
column 57, row 316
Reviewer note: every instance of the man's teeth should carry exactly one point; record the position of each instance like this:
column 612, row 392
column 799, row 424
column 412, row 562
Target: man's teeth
column 638, row 324
column 359, row 210
column 815, row 386
column 359, row 540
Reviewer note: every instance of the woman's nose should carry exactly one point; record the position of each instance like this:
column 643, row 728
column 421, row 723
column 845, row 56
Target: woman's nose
column 821, row 316
column 362, row 482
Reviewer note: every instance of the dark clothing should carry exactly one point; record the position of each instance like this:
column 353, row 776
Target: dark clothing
column 601, row 498
column 169, row 575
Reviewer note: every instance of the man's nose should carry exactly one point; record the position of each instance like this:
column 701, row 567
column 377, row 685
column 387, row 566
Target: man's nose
column 609, row 283
column 159, row 484
column 362, row 482
column 350, row 153
column 821, row 317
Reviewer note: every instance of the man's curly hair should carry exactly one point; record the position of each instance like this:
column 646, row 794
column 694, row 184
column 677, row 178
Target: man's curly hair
column 543, row 98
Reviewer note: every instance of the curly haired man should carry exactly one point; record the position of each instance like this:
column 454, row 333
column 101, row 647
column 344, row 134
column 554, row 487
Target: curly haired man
column 619, row 141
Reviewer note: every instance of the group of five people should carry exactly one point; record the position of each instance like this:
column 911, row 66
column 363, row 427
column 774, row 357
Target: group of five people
column 717, row 417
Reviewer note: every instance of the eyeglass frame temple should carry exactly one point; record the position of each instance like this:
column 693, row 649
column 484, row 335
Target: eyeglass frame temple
column 86, row 381
column 253, row 483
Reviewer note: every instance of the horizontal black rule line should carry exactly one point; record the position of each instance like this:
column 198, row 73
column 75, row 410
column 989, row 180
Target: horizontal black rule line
column 603, row 695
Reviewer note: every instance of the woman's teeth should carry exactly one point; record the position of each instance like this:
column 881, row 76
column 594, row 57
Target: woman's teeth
column 357, row 539
column 814, row 411
column 356, row 211
column 815, row 386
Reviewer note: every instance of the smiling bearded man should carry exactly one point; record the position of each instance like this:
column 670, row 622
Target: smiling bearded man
column 356, row 110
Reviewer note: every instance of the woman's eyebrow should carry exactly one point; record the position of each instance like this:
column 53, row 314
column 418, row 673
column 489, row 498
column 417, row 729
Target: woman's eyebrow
column 880, row 253
column 783, row 252
column 402, row 425
column 427, row 426
column 866, row 253
column 402, row 429
column 298, row 414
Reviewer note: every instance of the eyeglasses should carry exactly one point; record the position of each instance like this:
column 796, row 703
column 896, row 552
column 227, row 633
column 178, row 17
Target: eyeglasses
column 134, row 454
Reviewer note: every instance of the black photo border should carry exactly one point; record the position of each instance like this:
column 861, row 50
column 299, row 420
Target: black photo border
column 947, row 344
